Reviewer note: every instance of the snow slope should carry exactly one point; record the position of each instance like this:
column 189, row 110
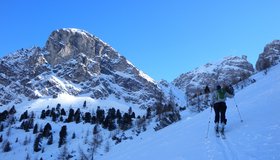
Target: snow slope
column 81, row 130
column 257, row 138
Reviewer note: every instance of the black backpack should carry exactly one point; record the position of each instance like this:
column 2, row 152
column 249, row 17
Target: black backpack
column 229, row 89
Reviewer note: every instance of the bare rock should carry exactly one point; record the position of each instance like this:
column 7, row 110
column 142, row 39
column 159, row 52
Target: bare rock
column 270, row 56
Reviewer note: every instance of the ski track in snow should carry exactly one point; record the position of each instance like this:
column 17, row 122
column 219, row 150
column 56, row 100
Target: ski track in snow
column 228, row 149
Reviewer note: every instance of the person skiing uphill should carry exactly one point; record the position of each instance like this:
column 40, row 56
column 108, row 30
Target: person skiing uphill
column 219, row 103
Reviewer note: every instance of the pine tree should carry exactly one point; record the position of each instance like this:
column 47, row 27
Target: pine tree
column 159, row 105
column 118, row 114
column 37, row 143
column 132, row 115
column 149, row 113
column 111, row 125
column 7, row 146
column 12, row 110
column 24, row 116
column 62, row 136
column 77, row 116
column 4, row 115
column 62, row 112
column 48, row 112
column 43, row 114
column 35, row 129
column 70, row 115
column 87, row 117
column 126, row 122
column 96, row 141
column 54, row 117
column 93, row 119
column 100, row 115
column 85, row 104
column 130, row 111
column 73, row 135
column 47, row 130
column 58, row 107
column 105, row 122
column 61, row 119
column 50, row 139
column 112, row 113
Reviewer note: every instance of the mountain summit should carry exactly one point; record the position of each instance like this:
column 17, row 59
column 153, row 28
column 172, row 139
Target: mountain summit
column 74, row 62
column 229, row 70
column 270, row 56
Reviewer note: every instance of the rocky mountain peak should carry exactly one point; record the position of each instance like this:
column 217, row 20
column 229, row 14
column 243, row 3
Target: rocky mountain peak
column 270, row 56
column 230, row 70
column 66, row 44
column 74, row 62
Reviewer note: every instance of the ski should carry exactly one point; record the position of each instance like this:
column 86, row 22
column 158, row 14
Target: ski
column 217, row 132
column 223, row 134
column 220, row 134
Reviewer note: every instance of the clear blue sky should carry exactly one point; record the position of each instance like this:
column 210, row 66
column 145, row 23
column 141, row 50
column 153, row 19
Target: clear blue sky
column 164, row 38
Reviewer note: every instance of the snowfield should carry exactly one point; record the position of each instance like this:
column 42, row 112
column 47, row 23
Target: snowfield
column 257, row 138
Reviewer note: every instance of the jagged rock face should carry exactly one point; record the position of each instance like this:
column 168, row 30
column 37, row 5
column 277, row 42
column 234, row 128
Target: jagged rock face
column 270, row 56
column 229, row 71
column 17, row 72
column 66, row 44
column 74, row 62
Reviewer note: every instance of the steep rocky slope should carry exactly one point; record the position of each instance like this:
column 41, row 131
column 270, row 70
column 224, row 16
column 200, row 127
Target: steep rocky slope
column 270, row 56
column 74, row 62
column 228, row 71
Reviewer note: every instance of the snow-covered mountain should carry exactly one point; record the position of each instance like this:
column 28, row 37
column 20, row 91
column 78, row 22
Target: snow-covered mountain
column 77, row 63
column 230, row 70
column 270, row 56
column 256, row 138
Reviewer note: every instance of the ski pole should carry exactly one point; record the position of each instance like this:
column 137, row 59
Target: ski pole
column 238, row 110
column 209, row 123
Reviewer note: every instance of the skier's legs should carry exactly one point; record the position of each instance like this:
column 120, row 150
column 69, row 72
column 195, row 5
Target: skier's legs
column 217, row 112
column 223, row 109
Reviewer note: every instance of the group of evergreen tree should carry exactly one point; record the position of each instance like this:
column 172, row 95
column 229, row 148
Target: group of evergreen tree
column 7, row 113
column 7, row 118
column 167, row 112
column 46, row 133
column 110, row 120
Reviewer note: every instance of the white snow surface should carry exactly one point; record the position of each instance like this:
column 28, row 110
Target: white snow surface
column 256, row 138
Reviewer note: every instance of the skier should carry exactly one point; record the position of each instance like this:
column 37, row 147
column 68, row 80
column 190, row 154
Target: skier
column 219, row 103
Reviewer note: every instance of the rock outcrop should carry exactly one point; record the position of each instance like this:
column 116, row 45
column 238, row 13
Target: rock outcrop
column 228, row 71
column 270, row 56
